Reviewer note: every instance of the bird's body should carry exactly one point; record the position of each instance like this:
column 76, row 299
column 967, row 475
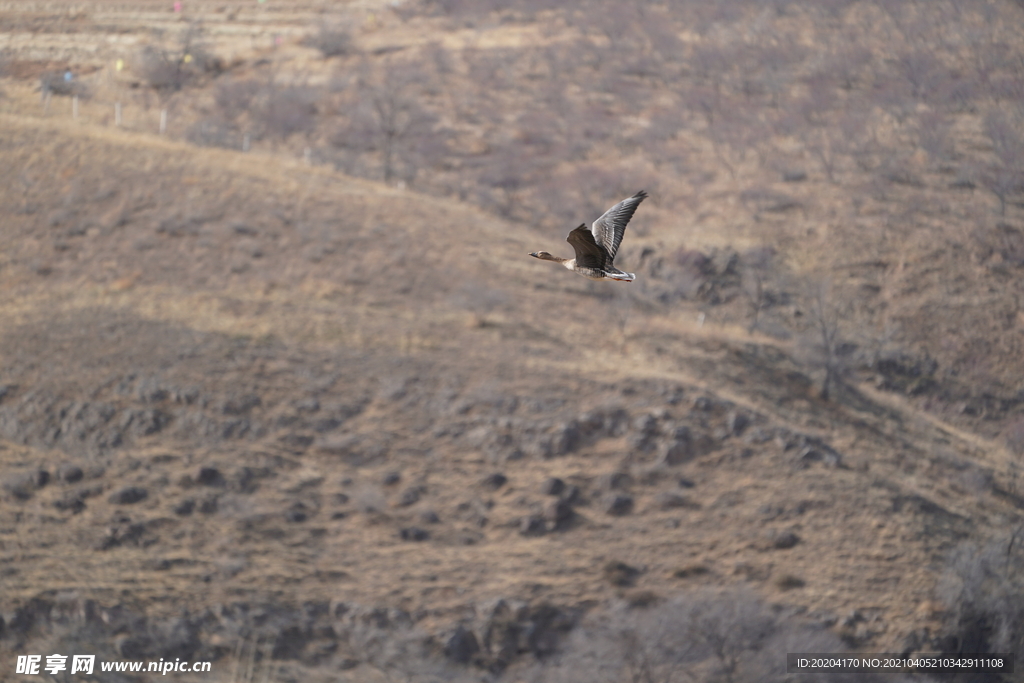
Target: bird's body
column 596, row 247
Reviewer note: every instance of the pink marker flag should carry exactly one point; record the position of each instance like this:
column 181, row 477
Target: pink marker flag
column 177, row 6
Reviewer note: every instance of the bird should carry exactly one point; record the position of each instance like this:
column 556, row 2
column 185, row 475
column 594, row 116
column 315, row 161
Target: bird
column 595, row 247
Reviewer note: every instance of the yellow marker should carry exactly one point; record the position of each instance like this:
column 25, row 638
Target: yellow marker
column 188, row 58
column 119, row 64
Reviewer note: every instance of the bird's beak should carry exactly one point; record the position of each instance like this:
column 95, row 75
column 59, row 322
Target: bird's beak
column 533, row 254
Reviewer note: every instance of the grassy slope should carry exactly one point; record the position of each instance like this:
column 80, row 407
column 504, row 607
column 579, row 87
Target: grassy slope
column 255, row 271
column 875, row 530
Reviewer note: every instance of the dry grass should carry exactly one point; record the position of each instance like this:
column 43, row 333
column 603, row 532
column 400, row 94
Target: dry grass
column 255, row 273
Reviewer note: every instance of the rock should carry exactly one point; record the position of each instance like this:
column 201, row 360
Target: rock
column 289, row 643
column 645, row 424
column 392, row 478
column 618, row 505
column 645, row 428
column 208, row 505
column 241, row 405
column 668, row 500
column 620, row 573
column 307, row 405
column 429, row 517
column 616, row 481
column 789, row 582
column 69, row 473
column 558, row 512
column 414, row 533
column 22, row 486
column 129, row 495
column 72, row 501
column 677, row 451
column 691, row 571
column 785, row 540
column 144, row 422
column 685, row 483
column 736, row 422
column 639, row 599
column 126, row 532
column 532, row 525
column 327, row 424
column 572, row 495
column 410, row 496
column 209, row 476
column 822, row 454
column 185, row 507
column 545, row 627
column 495, row 481
column 461, row 646
column 552, row 486
column 297, row 512
column 296, row 440
column 566, row 439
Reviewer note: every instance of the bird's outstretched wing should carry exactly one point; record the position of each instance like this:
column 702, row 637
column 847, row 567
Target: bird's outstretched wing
column 589, row 254
column 609, row 228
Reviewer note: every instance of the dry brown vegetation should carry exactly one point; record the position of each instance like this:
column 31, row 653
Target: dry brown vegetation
column 280, row 388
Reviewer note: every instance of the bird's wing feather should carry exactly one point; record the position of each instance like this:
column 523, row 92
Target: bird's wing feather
column 589, row 254
column 609, row 228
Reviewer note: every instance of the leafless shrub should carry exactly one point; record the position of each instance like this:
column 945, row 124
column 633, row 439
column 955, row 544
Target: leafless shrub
column 168, row 70
column 691, row 273
column 331, row 40
column 983, row 589
column 848, row 66
column 728, row 638
column 213, row 131
column 1014, row 436
column 286, row 109
column 933, row 135
column 63, row 83
column 921, row 71
column 507, row 174
column 763, row 200
column 236, row 96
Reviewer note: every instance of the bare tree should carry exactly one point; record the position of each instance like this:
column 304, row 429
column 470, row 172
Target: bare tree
column 1006, row 177
column 168, row 70
column 824, row 316
column 756, row 265
column 390, row 118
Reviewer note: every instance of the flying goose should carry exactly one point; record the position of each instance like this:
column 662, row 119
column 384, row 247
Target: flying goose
column 595, row 248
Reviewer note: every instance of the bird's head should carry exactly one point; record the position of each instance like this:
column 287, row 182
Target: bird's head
column 543, row 255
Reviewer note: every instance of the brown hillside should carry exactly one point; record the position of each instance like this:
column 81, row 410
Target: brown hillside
column 309, row 411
